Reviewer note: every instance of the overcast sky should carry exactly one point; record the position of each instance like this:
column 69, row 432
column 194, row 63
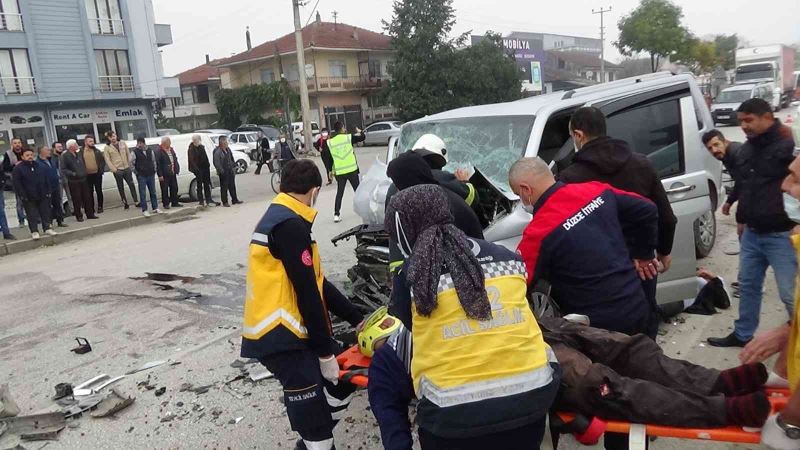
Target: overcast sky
column 217, row 28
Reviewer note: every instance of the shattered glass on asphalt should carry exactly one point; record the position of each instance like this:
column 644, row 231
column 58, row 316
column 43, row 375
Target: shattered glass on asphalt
column 491, row 144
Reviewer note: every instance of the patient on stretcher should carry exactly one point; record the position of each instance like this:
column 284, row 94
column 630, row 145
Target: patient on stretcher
column 605, row 374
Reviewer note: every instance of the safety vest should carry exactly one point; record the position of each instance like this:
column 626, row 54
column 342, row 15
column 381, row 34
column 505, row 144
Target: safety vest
column 462, row 365
column 344, row 159
column 272, row 319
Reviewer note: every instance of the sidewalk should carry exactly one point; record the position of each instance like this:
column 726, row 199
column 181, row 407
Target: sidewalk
column 112, row 219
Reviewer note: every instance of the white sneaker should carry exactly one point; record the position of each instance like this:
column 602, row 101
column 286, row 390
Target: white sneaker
column 157, row 211
column 51, row 232
column 336, row 218
column 146, row 213
column 35, row 236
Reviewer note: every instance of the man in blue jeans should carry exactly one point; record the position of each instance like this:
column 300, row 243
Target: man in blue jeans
column 3, row 221
column 144, row 164
column 764, row 160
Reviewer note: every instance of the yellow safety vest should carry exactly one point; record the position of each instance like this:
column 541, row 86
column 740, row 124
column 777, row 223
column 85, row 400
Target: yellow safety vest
column 270, row 299
column 344, row 159
column 457, row 360
column 793, row 352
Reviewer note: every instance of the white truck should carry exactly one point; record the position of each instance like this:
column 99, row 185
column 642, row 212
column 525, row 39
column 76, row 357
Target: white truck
column 768, row 63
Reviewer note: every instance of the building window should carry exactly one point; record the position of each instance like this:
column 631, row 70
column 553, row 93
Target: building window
column 292, row 74
column 187, row 94
column 104, row 17
column 267, row 76
column 10, row 18
column 375, row 68
column 113, row 70
column 15, row 72
column 338, row 68
column 201, row 93
column 191, row 95
column 377, row 101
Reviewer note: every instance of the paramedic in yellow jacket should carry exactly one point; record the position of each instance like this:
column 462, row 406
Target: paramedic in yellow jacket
column 286, row 321
column 482, row 373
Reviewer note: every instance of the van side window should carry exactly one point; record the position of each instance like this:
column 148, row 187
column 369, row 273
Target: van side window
column 654, row 130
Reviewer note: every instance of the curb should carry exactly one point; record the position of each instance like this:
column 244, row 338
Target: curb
column 24, row 245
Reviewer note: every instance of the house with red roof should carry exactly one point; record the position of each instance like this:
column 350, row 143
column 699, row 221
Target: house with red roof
column 196, row 108
column 346, row 68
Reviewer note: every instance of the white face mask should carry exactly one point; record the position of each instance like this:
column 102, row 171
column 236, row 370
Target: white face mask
column 575, row 145
column 792, row 207
column 528, row 208
column 283, row 139
column 314, row 198
column 325, row 134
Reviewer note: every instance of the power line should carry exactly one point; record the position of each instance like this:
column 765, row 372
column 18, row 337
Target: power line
column 312, row 13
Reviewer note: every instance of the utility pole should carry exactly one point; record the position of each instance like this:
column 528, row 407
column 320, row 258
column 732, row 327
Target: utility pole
column 301, row 71
column 602, row 11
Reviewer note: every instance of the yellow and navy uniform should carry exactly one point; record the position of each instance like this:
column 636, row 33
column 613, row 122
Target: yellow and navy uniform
column 475, row 378
column 287, row 298
column 793, row 352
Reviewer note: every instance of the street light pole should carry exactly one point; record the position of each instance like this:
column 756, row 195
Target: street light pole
column 301, row 71
column 602, row 11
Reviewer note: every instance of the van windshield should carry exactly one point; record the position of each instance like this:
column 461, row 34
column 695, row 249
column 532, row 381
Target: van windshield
column 733, row 96
column 491, row 144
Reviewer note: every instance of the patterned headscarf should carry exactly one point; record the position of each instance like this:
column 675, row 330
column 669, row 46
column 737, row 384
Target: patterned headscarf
column 419, row 218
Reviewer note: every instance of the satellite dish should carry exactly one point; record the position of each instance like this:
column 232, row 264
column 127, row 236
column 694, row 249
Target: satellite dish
column 309, row 70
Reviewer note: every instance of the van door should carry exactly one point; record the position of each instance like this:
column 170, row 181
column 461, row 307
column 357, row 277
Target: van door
column 663, row 126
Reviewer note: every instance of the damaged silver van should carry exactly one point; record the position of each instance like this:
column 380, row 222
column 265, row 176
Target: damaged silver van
column 661, row 115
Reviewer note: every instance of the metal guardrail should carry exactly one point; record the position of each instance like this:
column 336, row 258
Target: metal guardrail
column 18, row 85
column 11, row 22
column 102, row 25
column 116, row 83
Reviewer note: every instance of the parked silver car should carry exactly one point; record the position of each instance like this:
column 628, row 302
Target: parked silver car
column 379, row 133
column 661, row 115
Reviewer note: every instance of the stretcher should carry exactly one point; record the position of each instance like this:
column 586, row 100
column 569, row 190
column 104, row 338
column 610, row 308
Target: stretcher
column 352, row 366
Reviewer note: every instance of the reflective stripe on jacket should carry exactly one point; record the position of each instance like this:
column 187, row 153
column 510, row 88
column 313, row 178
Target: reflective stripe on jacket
column 344, row 159
column 272, row 319
column 501, row 366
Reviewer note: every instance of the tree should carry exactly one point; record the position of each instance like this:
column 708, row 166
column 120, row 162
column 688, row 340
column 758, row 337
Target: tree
column 653, row 27
column 700, row 56
column 252, row 101
column 726, row 46
column 430, row 74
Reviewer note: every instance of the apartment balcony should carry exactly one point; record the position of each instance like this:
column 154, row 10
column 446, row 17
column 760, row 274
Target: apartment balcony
column 18, row 85
column 342, row 84
column 10, row 22
column 106, row 27
column 116, row 83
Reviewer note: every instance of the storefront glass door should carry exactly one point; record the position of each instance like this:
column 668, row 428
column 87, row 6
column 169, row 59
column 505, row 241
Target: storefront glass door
column 32, row 138
column 129, row 130
column 76, row 131
column 102, row 129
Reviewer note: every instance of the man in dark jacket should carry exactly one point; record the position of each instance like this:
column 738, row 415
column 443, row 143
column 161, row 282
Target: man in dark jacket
column 264, row 154
column 433, row 151
column 729, row 153
column 168, row 169
column 58, row 150
column 201, row 168
column 144, row 166
column 321, row 145
column 32, row 186
column 49, row 165
column 3, row 220
column 73, row 167
column 11, row 159
column 226, row 169
column 611, row 161
column 409, row 169
column 577, row 242
column 765, row 160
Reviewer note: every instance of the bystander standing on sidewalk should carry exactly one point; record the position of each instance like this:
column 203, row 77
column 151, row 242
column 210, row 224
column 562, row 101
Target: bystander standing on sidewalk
column 73, row 167
column 118, row 161
column 226, row 169
column 168, row 169
column 95, row 167
column 32, row 187
column 11, row 159
column 765, row 160
column 49, row 165
column 325, row 153
column 201, row 168
column 58, row 150
column 3, row 220
column 144, row 165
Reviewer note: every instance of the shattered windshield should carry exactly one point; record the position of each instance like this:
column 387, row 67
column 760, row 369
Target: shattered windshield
column 491, row 144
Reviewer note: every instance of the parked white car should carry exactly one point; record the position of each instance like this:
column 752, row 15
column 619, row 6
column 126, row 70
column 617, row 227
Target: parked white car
column 215, row 131
column 379, row 133
column 233, row 146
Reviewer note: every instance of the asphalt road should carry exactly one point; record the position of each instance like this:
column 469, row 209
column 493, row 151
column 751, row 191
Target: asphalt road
column 94, row 289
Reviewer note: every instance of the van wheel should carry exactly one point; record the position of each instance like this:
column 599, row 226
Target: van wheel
column 193, row 191
column 241, row 166
column 705, row 234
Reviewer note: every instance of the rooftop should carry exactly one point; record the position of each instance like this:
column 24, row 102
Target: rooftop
column 199, row 74
column 316, row 35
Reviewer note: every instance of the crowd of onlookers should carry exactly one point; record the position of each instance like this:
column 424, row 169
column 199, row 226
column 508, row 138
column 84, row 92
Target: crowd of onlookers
column 65, row 179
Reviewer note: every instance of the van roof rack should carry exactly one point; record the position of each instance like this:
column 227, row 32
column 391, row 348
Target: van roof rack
column 615, row 84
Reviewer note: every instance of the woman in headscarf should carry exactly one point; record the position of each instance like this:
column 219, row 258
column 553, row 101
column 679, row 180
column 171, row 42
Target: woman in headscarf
column 482, row 373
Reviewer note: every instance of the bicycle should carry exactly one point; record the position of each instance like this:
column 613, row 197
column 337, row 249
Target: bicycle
column 275, row 179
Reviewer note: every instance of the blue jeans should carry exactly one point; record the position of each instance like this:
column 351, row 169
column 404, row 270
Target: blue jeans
column 3, row 221
column 20, row 210
column 149, row 183
column 759, row 251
